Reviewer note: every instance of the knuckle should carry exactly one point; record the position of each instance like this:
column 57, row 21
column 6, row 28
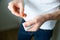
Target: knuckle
column 36, row 21
column 11, row 3
column 8, row 7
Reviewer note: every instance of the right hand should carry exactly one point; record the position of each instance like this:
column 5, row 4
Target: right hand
column 16, row 8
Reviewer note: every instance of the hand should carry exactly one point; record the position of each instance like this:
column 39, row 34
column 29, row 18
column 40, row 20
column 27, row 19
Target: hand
column 16, row 8
column 35, row 23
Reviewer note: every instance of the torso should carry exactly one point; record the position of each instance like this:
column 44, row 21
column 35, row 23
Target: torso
column 40, row 7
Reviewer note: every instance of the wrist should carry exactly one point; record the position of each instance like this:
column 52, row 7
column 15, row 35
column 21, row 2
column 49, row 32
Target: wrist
column 41, row 18
column 46, row 17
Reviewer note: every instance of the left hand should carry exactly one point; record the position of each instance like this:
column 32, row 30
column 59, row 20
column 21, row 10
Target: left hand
column 36, row 23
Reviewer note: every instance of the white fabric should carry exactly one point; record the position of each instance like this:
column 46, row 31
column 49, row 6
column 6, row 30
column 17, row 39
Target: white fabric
column 34, row 8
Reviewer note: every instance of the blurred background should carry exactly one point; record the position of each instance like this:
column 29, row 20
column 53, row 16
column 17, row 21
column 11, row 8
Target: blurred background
column 9, row 24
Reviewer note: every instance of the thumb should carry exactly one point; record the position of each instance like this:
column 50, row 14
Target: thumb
column 22, row 14
column 21, row 8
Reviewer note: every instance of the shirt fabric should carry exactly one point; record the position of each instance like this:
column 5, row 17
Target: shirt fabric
column 34, row 8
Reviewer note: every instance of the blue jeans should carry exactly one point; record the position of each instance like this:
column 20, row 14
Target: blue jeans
column 38, row 35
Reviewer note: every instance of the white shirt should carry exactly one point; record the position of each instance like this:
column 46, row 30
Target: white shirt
column 34, row 8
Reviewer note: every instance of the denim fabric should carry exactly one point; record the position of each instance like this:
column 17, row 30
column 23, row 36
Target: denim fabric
column 38, row 35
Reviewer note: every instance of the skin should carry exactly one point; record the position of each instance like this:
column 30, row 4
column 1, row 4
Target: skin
column 17, row 8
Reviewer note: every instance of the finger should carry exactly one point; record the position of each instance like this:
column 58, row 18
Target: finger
column 13, row 9
column 29, row 23
column 35, row 27
column 21, row 8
